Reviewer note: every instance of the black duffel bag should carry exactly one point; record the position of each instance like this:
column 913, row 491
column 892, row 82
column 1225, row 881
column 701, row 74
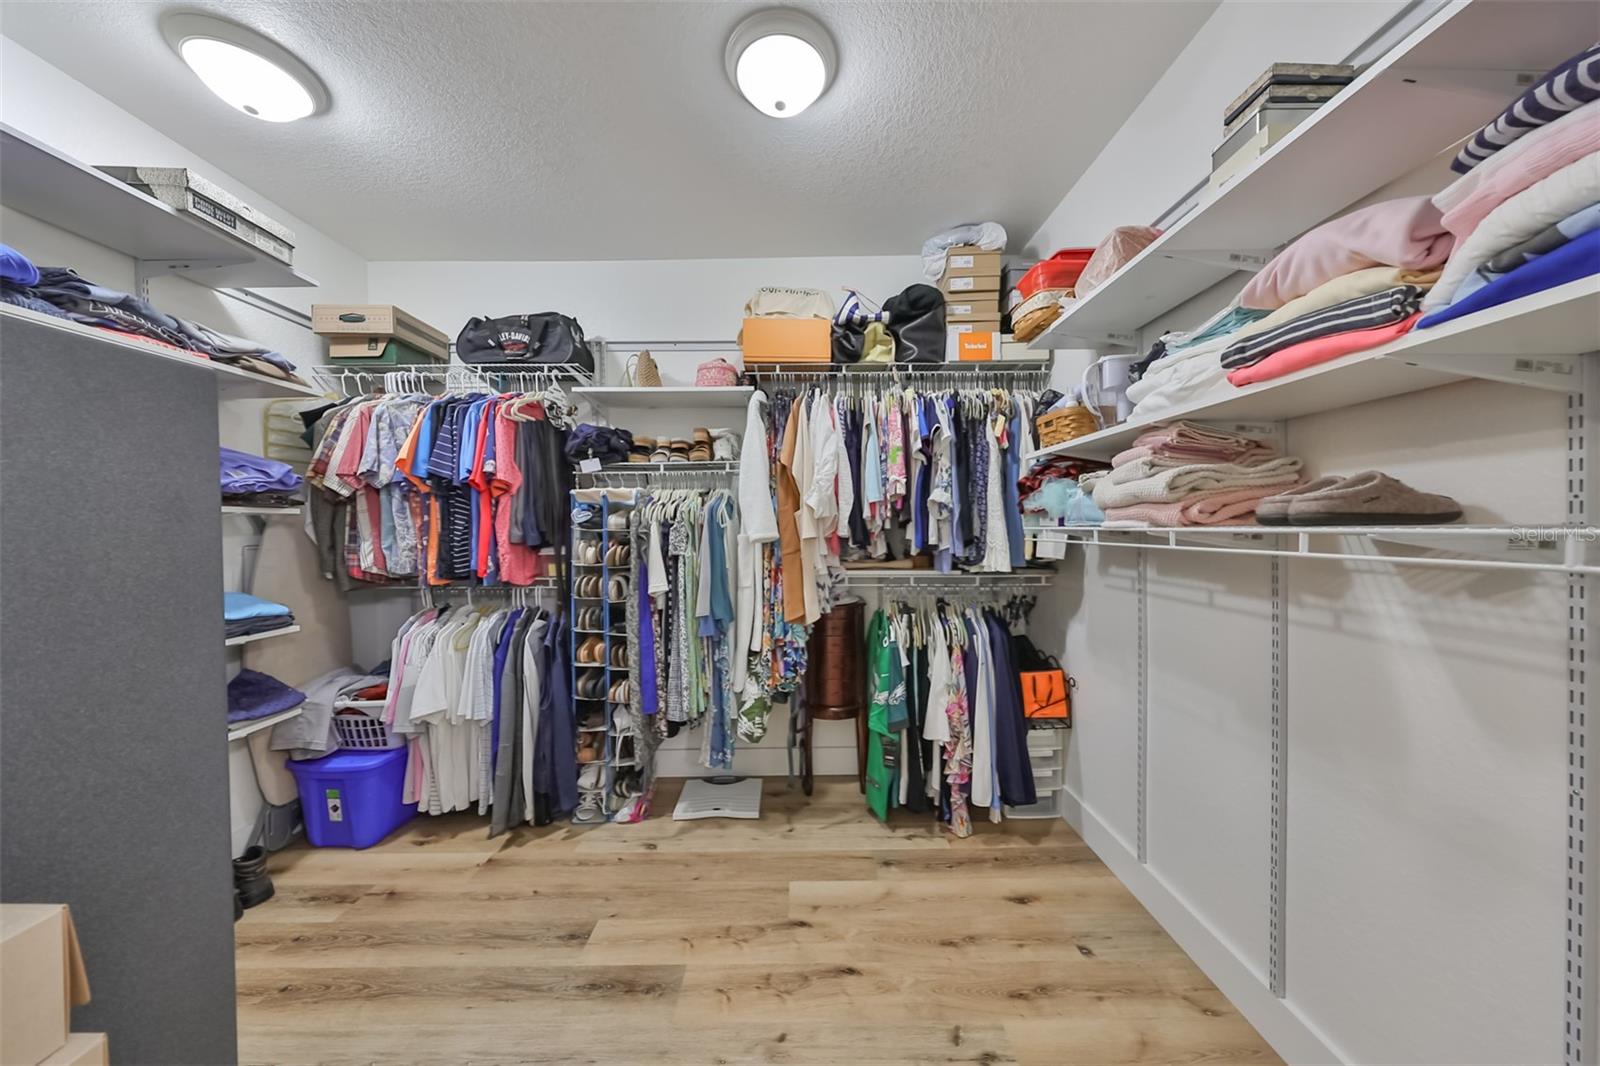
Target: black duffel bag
column 541, row 339
column 916, row 318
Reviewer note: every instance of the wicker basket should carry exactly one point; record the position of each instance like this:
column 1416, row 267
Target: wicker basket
column 643, row 372
column 1069, row 423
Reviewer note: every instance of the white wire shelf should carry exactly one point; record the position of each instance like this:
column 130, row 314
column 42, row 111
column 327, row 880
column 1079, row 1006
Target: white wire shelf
column 260, row 512
column 251, row 638
column 1555, row 549
column 444, row 377
column 232, row 383
column 630, row 397
column 55, row 188
column 244, row 729
column 1002, row 368
column 965, row 579
column 1429, row 91
column 713, row 466
column 1535, row 341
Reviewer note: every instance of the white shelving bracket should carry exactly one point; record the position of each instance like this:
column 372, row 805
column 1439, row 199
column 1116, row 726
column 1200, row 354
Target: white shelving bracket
column 145, row 269
column 1557, row 373
column 1227, row 258
column 1581, row 992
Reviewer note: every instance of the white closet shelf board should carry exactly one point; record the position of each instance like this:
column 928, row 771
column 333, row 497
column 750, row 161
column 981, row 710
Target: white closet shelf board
column 667, row 396
column 55, row 188
column 1533, row 341
column 262, row 512
column 244, row 729
column 232, row 383
column 253, row 637
column 1532, row 547
column 1447, row 78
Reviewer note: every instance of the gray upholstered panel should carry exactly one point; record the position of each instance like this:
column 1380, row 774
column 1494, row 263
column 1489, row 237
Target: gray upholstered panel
column 113, row 747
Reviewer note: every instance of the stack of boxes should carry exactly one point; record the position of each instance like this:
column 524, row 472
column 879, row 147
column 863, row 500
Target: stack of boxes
column 41, row 980
column 377, row 335
column 1284, row 96
column 971, row 287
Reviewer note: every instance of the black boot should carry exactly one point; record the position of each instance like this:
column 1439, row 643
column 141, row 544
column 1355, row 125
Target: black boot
column 250, row 877
column 238, row 905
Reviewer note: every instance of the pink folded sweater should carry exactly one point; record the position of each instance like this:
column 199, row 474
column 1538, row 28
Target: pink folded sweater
column 1201, row 509
column 1408, row 232
column 1321, row 350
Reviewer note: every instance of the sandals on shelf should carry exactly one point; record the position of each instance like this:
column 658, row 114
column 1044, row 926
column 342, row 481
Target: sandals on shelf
column 619, row 657
column 591, row 686
column 701, row 451
column 617, row 589
column 618, row 555
column 621, row 691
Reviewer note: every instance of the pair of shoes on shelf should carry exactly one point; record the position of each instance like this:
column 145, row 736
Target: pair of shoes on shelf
column 618, row 555
column 619, row 656
column 587, row 552
column 700, row 451
column 1368, row 498
column 591, row 686
column 587, row 587
column 617, row 520
column 621, row 691
column 590, row 619
column 642, row 447
column 592, row 650
column 591, row 747
column 617, row 589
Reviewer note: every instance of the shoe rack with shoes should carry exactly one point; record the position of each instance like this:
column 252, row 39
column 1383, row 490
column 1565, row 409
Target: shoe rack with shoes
column 602, row 554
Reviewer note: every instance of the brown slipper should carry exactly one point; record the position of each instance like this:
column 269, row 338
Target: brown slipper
column 1274, row 510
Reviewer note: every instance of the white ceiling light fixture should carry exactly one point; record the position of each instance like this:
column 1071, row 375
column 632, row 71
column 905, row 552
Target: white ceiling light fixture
column 248, row 71
column 781, row 60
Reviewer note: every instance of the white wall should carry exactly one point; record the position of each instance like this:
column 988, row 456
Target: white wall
column 1425, row 709
column 42, row 101
column 1164, row 148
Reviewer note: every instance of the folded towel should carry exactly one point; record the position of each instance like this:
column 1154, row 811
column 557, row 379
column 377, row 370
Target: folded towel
column 1178, row 483
column 1202, row 509
column 1192, row 442
column 237, row 606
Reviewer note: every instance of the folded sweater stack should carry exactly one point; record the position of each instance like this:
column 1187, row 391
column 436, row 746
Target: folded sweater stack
column 1190, row 475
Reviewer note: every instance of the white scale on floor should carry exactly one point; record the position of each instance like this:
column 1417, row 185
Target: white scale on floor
column 719, row 797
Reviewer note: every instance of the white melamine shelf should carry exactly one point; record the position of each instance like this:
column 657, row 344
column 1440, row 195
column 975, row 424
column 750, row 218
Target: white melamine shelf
column 1534, row 341
column 259, row 511
column 1450, row 76
column 55, row 188
column 251, row 638
column 232, row 383
column 640, row 397
column 1533, row 547
column 244, row 729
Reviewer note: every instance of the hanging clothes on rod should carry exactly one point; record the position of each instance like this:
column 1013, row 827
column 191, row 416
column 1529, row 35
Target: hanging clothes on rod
column 946, row 731
column 468, row 486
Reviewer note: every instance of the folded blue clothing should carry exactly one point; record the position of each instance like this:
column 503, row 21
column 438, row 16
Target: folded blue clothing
column 243, row 473
column 237, row 606
column 252, row 695
column 1578, row 258
column 17, row 268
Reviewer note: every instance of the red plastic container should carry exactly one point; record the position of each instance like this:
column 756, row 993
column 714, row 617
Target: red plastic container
column 1060, row 271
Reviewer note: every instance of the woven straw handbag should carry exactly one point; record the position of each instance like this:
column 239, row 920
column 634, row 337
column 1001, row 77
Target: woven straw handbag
column 643, row 372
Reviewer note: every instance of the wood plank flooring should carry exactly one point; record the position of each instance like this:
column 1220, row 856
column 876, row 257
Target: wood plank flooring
column 815, row 935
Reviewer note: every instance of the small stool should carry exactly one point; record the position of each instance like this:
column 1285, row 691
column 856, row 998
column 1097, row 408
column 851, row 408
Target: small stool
column 836, row 681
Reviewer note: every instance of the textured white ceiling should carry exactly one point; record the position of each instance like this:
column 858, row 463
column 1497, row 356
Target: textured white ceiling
column 546, row 131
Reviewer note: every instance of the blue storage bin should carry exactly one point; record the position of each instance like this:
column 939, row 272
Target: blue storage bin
column 352, row 799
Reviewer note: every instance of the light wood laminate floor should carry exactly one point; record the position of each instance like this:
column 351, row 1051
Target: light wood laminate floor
column 814, row 935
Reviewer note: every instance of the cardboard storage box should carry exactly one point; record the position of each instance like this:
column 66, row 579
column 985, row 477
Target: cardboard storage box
column 41, row 978
column 190, row 194
column 983, row 324
column 81, row 1049
column 378, row 351
column 984, row 346
column 976, row 305
column 352, row 323
column 966, row 260
column 786, row 340
column 970, row 283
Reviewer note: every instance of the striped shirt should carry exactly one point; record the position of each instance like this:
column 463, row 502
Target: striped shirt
column 1566, row 88
column 1363, row 312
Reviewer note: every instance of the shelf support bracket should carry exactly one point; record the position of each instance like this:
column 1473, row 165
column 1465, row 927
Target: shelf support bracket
column 1279, row 829
column 1556, row 373
column 1581, row 999
column 1226, row 258
column 1141, row 592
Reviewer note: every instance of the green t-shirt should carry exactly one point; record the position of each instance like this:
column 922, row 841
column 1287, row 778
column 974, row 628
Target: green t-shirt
column 886, row 715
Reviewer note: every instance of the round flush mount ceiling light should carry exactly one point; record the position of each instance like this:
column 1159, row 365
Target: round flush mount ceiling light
column 249, row 72
column 781, row 60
